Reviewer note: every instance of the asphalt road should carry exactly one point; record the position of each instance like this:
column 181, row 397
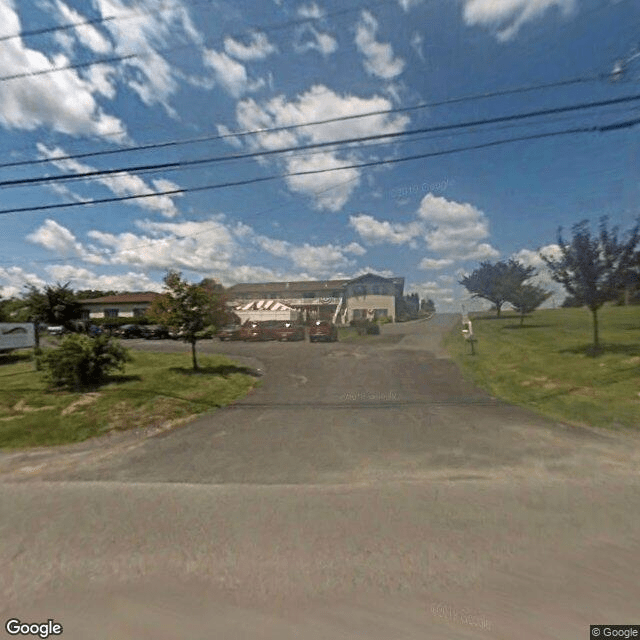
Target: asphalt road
column 362, row 491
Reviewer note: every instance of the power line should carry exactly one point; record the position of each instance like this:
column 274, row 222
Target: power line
column 250, row 30
column 172, row 192
column 90, row 21
column 316, row 145
column 239, row 134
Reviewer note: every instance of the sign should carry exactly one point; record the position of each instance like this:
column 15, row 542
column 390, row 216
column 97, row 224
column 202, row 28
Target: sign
column 16, row 335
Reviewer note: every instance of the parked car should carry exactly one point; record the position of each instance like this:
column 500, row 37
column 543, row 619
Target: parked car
column 130, row 331
column 251, row 330
column 154, row 332
column 287, row 330
column 110, row 329
column 56, row 330
column 94, row 330
column 230, row 332
column 323, row 330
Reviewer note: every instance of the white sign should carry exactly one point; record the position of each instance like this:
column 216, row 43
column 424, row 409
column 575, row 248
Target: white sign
column 14, row 335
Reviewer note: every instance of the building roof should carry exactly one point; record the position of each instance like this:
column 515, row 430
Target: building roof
column 264, row 305
column 123, row 298
column 304, row 285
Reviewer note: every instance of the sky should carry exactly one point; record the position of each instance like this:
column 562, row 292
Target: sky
column 218, row 79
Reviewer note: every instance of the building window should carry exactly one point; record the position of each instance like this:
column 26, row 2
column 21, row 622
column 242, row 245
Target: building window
column 380, row 313
column 85, row 314
column 357, row 314
column 309, row 294
column 111, row 313
column 138, row 313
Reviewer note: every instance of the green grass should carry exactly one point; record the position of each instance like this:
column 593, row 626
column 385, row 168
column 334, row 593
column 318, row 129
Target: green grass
column 547, row 365
column 155, row 388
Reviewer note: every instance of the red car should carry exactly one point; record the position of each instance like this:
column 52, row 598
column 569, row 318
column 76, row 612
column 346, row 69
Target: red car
column 323, row 330
column 287, row 330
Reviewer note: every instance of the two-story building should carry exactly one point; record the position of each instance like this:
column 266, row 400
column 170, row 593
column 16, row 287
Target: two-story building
column 368, row 296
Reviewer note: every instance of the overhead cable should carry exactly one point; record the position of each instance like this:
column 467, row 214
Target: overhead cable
column 211, row 187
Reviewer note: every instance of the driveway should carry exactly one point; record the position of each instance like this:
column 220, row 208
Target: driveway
column 364, row 490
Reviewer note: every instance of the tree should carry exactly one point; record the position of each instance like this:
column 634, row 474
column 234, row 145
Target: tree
column 527, row 298
column 189, row 308
column 428, row 306
column 496, row 282
column 56, row 304
column 594, row 268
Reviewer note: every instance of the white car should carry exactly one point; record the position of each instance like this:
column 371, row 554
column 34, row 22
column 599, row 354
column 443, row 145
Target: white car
column 56, row 330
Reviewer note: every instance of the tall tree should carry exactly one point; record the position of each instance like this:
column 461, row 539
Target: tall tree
column 189, row 308
column 496, row 282
column 55, row 304
column 527, row 298
column 594, row 268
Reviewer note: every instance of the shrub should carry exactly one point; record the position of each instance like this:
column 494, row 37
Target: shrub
column 373, row 329
column 81, row 361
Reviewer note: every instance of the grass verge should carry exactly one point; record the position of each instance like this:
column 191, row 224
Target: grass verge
column 547, row 364
column 156, row 388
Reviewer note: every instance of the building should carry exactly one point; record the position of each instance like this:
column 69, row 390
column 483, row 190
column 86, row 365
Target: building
column 122, row 305
column 368, row 296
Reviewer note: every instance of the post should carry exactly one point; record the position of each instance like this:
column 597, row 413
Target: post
column 467, row 332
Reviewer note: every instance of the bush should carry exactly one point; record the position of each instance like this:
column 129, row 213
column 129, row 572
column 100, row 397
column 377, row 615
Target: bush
column 81, row 361
column 373, row 329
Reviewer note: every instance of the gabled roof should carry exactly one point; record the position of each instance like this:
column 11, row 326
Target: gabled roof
column 123, row 298
column 303, row 285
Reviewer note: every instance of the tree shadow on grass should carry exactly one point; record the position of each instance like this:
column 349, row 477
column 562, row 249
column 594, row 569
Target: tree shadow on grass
column 120, row 379
column 224, row 370
column 12, row 358
column 589, row 350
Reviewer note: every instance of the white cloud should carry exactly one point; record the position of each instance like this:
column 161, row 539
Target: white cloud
column 143, row 32
column 81, row 278
column 63, row 101
column 125, row 184
column 87, row 34
column 450, row 228
column 258, row 49
column 57, row 238
column 311, row 11
column 434, row 263
column 456, row 228
column 409, row 4
column 543, row 274
column 230, row 74
column 416, row 44
column 308, row 38
column 506, row 17
column 379, row 59
column 382, row 232
column 331, row 190
column 14, row 279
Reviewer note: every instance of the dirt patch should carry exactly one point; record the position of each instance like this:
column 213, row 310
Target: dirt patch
column 87, row 398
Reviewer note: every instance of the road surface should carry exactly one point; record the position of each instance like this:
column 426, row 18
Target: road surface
column 362, row 491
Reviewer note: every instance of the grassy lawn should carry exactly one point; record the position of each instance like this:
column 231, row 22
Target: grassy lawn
column 546, row 365
column 155, row 388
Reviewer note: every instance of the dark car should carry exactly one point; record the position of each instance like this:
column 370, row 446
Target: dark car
column 230, row 332
column 129, row 331
column 110, row 329
column 287, row 330
column 323, row 330
column 154, row 332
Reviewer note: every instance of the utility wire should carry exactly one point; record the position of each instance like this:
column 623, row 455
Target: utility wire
column 240, row 134
column 92, row 21
column 278, row 26
column 316, row 145
column 616, row 126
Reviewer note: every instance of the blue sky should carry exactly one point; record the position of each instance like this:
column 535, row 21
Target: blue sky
column 206, row 68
